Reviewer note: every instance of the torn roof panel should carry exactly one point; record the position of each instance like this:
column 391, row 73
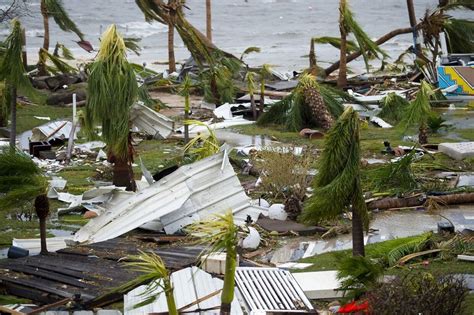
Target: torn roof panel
column 191, row 193
column 53, row 130
column 151, row 122
column 271, row 290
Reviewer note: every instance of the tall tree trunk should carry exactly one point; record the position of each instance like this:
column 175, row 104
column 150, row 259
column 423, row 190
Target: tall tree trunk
column 171, row 56
column 123, row 174
column 312, row 59
column 254, row 107
column 186, row 126
column 262, row 97
column 423, row 133
column 342, row 79
column 44, row 13
column 170, row 301
column 357, row 234
column 42, row 211
column 13, row 117
column 412, row 17
column 229, row 280
column 209, row 20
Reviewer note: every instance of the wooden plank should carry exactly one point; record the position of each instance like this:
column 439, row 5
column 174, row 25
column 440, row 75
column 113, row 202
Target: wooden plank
column 47, row 275
column 37, row 285
column 64, row 270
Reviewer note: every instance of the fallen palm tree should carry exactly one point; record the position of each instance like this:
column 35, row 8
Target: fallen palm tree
column 420, row 200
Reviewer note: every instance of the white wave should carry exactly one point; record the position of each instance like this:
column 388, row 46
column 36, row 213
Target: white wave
column 141, row 29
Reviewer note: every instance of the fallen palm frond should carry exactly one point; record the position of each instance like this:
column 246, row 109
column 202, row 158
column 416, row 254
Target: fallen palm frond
column 132, row 44
column 153, row 270
column 65, row 52
column 145, row 97
column 409, row 257
column 460, row 34
column 416, row 245
column 434, row 204
column 336, row 42
column 420, row 109
column 202, row 145
column 393, row 107
column 250, row 50
column 56, row 10
column 395, row 176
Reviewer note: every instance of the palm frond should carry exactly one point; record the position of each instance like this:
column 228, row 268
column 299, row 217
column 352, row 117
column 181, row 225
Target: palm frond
column 277, row 114
column 393, row 108
column 334, row 98
column 357, row 276
column 151, row 10
column 11, row 67
column 460, row 34
column 112, row 90
column 65, row 52
column 458, row 4
column 337, row 185
column 250, row 80
column 413, row 246
column 144, row 96
column 56, row 10
column 249, row 50
column 419, row 109
column 132, row 44
column 336, row 42
column 202, row 145
column 367, row 47
column 60, row 65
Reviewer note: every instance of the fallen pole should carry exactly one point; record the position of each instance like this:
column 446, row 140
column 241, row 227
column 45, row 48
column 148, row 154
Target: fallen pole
column 398, row 203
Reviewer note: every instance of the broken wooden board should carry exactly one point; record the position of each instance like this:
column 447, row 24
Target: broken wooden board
column 93, row 271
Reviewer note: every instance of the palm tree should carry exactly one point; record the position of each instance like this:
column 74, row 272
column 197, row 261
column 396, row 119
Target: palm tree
column 348, row 25
column 21, row 182
column 209, row 20
column 171, row 57
column 155, row 272
column 55, row 9
column 203, row 145
column 220, row 233
column 112, row 89
column 13, row 72
column 250, row 79
column 419, row 111
column 337, row 186
column 265, row 73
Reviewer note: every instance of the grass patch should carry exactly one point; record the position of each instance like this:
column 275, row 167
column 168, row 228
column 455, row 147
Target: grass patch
column 159, row 154
column 9, row 299
column 27, row 121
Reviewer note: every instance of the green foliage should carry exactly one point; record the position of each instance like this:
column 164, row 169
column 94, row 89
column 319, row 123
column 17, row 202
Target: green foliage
column 132, row 44
column 4, row 104
column 336, row 42
column 112, row 90
column 367, row 47
column 358, row 275
column 203, row 145
column 435, row 123
column 413, row 246
column 154, row 271
column 11, row 68
column 460, row 34
column 250, row 80
column 419, row 109
column 333, row 98
column 459, row 4
column 144, row 96
column 65, row 52
column 21, row 179
column 249, row 50
column 393, row 108
column 56, row 10
column 395, row 176
column 185, row 91
column 337, row 185
column 59, row 65
column 218, row 81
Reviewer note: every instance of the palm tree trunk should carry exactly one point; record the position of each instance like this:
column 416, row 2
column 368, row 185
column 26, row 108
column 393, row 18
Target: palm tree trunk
column 42, row 211
column 357, row 234
column 171, row 56
column 13, row 117
column 412, row 17
column 312, row 59
column 342, row 79
column 209, row 20
column 227, row 295
column 172, row 310
column 423, row 134
column 186, row 126
column 44, row 13
column 254, row 107
column 123, row 174
column 262, row 97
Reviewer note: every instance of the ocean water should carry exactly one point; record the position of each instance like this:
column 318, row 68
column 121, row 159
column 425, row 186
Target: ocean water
column 281, row 28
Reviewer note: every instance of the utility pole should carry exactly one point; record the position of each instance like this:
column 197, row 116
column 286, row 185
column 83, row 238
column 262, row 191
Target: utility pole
column 412, row 16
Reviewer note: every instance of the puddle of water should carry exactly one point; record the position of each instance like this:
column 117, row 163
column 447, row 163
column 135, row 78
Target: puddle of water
column 60, row 233
column 240, row 140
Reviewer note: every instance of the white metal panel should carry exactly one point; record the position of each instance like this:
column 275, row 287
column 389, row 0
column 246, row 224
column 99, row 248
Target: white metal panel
column 189, row 284
column 271, row 290
column 151, row 122
column 34, row 244
column 52, row 130
column 190, row 193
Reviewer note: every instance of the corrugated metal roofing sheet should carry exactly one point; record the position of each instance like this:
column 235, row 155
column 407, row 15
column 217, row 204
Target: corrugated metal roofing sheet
column 271, row 290
column 191, row 193
column 150, row 122
column 190, row 284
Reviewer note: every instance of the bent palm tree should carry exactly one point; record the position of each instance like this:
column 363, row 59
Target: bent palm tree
column 21, row 182
column 337, row 187
column 220, row 233
column 13, row 72
column 250, row 80
column 55, row 9
column 348, row 25
column 112, row 89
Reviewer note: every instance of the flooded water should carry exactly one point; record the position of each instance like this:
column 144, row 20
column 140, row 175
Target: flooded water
column 281, row 28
